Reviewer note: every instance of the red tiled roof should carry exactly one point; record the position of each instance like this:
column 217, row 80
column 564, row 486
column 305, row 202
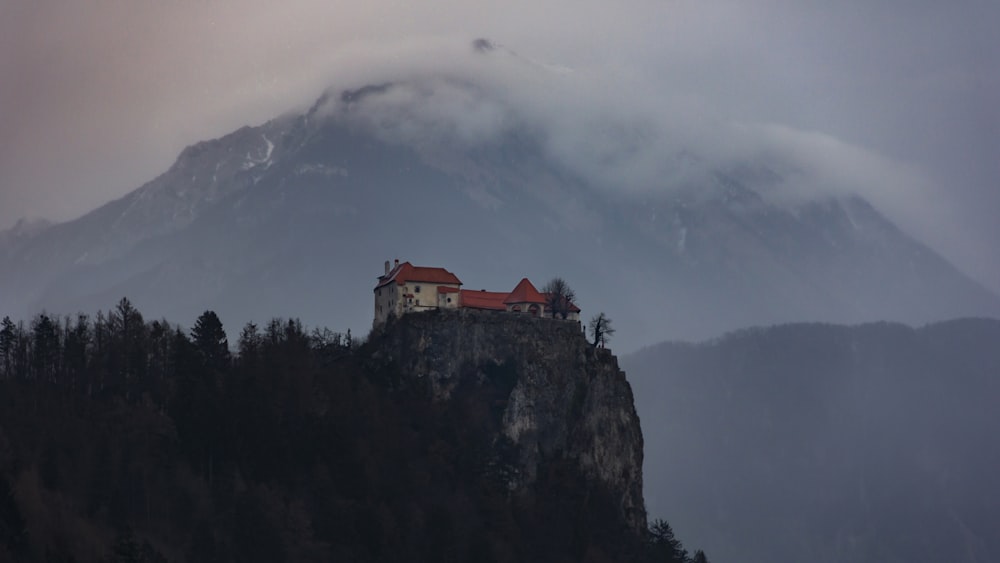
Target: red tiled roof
column 446, row 289
column 525, row 293
column 492, row 300
column 407, row 272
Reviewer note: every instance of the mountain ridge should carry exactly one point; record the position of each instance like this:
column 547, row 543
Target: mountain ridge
column 865, row 443
column 296, row 185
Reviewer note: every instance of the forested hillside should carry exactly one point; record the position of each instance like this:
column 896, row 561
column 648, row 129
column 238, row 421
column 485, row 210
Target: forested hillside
column 809, row 442
column 128, row 440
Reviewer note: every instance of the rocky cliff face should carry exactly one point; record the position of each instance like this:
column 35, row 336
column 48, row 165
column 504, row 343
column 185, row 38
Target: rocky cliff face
column 561, row 401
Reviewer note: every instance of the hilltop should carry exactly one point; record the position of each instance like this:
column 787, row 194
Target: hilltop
column 448, row 435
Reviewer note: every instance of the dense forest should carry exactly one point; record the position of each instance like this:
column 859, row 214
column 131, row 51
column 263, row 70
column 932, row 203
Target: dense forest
column 128, row 440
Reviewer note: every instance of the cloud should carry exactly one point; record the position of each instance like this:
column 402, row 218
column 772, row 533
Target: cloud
column 603, row 126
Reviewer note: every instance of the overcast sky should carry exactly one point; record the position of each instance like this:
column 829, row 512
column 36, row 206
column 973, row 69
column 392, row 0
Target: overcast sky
column 897, row 100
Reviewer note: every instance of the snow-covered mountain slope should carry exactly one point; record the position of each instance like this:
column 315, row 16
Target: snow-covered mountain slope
column 296, row 216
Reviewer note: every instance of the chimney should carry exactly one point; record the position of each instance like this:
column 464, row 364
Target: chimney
column 397, row 261
column 387, row 267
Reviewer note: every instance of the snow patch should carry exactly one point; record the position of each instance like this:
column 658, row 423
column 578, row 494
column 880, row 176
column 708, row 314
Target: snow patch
column 270, row 149
column 266, row 161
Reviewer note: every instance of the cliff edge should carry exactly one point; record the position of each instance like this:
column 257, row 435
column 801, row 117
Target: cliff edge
column 557, row 406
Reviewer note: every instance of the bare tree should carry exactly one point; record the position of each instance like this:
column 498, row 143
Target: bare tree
column 600, row 328
column 559, row 297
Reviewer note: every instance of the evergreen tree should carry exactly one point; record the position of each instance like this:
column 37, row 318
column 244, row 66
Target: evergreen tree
column 7, row 346
column 210, row 342
column 203, row 364
column 663, row 545
column 128, row 332
column 100, row 355
column 45, row 348
column 22, row 351
column 250, row 341
column 76, row 342
column 159, row 354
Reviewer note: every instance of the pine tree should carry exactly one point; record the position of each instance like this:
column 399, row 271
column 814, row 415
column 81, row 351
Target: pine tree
column 45, row 348
column 76, row 341
column 664, row 545
column 128, row 330
column 7, row 342
column 250, row 341
column 210, row 342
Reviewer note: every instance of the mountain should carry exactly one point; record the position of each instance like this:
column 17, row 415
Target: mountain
column 824, row 443
column 297, row 215
column 447, row 436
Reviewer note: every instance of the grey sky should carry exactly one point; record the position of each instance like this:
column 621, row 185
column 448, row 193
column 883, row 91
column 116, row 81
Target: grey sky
column 897, row 100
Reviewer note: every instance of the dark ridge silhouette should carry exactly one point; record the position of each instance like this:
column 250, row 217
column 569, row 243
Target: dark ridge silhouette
column 825, row 443
column 123, row 439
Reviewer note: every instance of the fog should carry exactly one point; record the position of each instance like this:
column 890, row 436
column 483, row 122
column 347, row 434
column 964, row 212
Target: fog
column 894, row 101
column 825, row 443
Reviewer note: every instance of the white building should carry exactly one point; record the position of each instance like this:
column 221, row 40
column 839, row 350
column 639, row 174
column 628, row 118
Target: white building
column 407, row 288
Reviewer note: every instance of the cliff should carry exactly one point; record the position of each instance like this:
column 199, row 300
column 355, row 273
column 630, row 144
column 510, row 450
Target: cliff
column 560, row 401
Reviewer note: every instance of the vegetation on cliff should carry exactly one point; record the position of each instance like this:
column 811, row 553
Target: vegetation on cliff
column 128, row 440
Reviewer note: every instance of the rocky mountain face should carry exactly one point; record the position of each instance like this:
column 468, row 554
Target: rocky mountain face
column 564, row 401
column 872, row 443
column 294, row 217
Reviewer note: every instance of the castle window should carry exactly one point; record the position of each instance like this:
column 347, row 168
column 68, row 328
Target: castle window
column 417, row 289
column 449, row 300
column 418, row 302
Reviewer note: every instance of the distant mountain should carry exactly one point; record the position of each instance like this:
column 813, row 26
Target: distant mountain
column 297, row 215
column 822, row 443
column 23, row 230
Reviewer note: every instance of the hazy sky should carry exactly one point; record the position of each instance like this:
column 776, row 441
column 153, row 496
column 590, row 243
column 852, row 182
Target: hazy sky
column 897, row 100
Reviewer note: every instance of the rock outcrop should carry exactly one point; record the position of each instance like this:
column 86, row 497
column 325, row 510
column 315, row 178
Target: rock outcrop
column 562, row 401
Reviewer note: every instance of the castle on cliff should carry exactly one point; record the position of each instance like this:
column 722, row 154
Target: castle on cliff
column 405, row 288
